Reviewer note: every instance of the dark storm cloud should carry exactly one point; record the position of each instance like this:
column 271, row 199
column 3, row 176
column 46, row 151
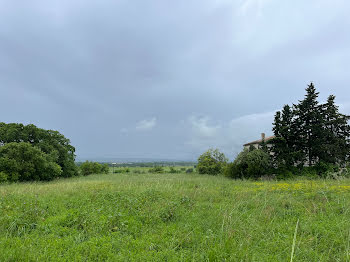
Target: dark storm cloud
column 167, row 78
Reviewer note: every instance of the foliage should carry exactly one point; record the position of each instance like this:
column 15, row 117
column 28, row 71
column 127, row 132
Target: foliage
column 24, row 162
column 3, row 177
column 156, row 169
column 249, row 164
column 122, row 170
column 335, row 145
column 88, row 168
column 50, row 142
column 189, row 170
column 172, row 170
column 211, row 162
column 310, row 133
column 105, row 168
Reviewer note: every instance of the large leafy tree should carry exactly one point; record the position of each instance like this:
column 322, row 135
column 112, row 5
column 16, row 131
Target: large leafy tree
column 211, row 162
column 24, row 162
column 50, row 142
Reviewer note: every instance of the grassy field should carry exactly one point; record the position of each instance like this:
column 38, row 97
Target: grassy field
column 174, row 217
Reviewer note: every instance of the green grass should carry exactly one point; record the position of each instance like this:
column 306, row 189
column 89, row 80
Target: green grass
column 174, row 217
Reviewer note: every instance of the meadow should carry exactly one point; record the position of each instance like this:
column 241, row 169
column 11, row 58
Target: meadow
column 174, row 217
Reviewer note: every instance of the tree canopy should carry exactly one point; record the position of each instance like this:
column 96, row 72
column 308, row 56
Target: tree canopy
column 310, row 132
column 211, row 162
column 18, row 141
column 24, row 162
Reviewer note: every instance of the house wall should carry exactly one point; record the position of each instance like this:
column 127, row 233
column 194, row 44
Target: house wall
column 257, row 146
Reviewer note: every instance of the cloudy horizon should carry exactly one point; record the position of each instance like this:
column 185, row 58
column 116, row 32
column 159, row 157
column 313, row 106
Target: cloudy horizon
column 167, row 79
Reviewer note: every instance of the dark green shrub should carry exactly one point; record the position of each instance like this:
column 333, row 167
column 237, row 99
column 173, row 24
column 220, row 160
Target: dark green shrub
column 232, row 170
column 211, row 162
column 323, row 168
column 156, row 169
column 25, row 162
column 3, row 177
column 122, row 170
column 173, row 170
column 283, row 173
column 249, row 164
column 96, row 167
column 88, row 168
column 189, row 170
column 105, row 168
column 309, row 172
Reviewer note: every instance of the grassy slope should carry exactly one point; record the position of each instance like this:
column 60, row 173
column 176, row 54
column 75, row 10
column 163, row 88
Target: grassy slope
column 174, row 217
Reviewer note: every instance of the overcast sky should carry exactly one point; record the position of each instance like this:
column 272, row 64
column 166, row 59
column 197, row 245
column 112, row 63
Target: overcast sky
column 164, row 78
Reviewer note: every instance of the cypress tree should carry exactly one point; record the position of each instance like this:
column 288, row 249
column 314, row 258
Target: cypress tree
column 311, row 133
column 309, row 126
column 335, row 144
column 283, row 145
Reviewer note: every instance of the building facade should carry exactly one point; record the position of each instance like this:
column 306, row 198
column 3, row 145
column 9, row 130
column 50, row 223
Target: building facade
column 256, row 143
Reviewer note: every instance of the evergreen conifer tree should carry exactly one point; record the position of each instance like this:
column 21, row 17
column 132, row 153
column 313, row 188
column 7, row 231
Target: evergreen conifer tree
column 311, row 133
column 309, row 126
column 335, row 144
column 284, row 142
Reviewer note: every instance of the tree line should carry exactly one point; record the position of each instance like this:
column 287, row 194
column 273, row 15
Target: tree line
column 29, row 153
column 309, row 138
column 310, row 133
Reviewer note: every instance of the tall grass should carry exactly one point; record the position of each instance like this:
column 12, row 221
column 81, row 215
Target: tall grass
column 174, row 217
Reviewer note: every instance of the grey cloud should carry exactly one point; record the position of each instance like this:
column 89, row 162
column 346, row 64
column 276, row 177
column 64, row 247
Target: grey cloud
column 146, row 124
column 228, row 136
column 95, row 69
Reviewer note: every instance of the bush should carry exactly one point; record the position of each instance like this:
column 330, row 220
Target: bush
column 3, row 177
column 25, row 162
column 283, row 173
column 105, row 168
column 189, row 170
column 88, row 168
column 323, row 169
column 173, row 170
column 211, row 162
column 156, row 169
column 249, row 164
